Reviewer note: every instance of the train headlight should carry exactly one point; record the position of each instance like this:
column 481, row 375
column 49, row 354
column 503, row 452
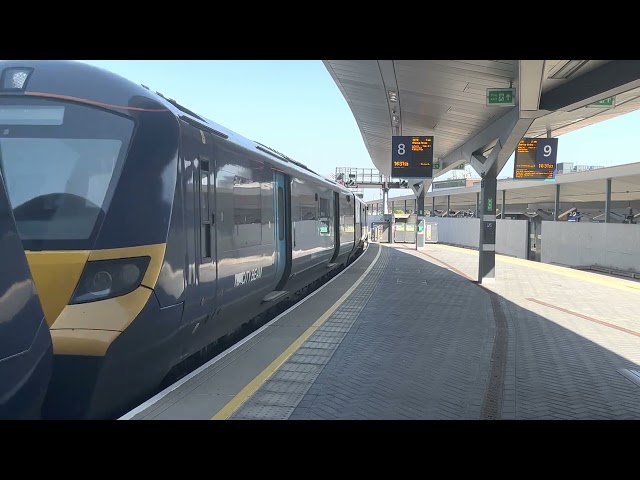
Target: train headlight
column 104, row 279
column 101, row 282
column 14, row 79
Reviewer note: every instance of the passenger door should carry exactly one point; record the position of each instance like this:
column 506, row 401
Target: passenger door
column 197, row 146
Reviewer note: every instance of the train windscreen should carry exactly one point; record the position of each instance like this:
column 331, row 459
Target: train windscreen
column 60, row 161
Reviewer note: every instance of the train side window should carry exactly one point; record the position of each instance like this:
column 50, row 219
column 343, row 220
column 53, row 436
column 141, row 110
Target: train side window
column 204, row 189
column 281, row 214
column 247, row 211
column 307, row 212
column 325, row 205
column 325, row 216
column 206, row 241
column 205, row 217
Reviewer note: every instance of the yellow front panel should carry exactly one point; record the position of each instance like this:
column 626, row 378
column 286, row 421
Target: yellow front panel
column 113, row 314
column 56, row 275
column 89, row 328
column 82, row 342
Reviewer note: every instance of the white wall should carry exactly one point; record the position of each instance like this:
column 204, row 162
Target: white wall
column 511, row 238
column 464, row 232
column 511, row 235
column 609, row 245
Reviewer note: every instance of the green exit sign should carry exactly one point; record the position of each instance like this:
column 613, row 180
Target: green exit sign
column 436, row 166
column 605, row 102
column 501, row 97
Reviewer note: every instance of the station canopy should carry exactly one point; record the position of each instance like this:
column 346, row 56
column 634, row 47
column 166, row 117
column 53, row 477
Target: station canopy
column 449, row 99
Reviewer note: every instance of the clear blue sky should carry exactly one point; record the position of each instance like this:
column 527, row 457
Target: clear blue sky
column 295, row 107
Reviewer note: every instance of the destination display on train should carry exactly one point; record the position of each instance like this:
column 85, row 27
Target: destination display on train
column 412, row 156
column 536, row 159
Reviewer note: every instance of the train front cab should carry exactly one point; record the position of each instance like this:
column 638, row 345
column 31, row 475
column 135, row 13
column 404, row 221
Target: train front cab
column 93, row 226
column 26, row 354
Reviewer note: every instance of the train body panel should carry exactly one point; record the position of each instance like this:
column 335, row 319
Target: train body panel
column 241, row 215
column 246, row 227
column 169, row 230
column 25, row 342
column 312, row 225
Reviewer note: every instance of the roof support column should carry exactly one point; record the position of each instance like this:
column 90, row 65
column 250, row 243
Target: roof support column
column 556, row 205
column 448, row 205
column 478, row 205
column 503, row 208
column 420, row 218
column 419, row 202
column 508, row 131
column 607, row 203
column 487, row 243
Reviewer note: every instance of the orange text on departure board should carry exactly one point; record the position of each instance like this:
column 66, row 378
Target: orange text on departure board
column 527, row 146
column 533, row 174
column 419, row 144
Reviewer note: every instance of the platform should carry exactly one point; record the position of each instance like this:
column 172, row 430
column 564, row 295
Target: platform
column 406, row 334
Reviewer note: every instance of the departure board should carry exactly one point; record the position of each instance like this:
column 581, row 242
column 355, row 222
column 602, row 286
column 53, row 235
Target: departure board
column 412, row 156
column 536, row 159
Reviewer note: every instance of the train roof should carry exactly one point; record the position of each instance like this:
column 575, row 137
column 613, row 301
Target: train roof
column 217, row 129
column 68, row 79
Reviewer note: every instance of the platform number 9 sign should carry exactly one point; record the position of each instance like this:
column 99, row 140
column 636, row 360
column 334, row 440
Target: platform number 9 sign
column 547, row 151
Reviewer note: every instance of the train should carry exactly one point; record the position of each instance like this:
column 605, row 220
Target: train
column 151, row 231
column 26, row 351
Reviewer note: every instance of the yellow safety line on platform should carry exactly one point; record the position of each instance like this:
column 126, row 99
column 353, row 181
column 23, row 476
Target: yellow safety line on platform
column 244, row 394
column 567, row 272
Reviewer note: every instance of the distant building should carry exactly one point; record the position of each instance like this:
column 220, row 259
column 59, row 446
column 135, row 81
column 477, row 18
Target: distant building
column 569, row 167
column 455, row 182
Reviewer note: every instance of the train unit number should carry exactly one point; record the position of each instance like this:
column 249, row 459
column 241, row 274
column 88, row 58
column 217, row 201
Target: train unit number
column 248, row 276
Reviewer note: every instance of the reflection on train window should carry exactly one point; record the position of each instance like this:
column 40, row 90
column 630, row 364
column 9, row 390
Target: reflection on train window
column 204, row 190
column 347, row 220
column 205, row 213
column 247, row 211
column 325, row 207
column 205, row 241
column 325, row 216
column 325, row 226
column 308, row 212
column 57, row 186
column 281, row 214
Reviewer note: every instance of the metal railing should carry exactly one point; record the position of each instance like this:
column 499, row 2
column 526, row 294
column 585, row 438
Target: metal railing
column 362, row 177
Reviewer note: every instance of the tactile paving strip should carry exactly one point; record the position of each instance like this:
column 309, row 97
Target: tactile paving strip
column 278, row 397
